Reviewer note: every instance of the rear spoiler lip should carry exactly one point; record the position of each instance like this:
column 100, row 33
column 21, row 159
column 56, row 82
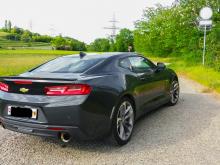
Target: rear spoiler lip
column 38, row 79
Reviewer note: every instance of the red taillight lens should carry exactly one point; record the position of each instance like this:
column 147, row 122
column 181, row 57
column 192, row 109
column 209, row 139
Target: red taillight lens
column 23, row 82
column 55, row 129
column 75, row 89
column 4, row 87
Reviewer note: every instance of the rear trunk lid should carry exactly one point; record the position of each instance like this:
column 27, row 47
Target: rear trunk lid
column 34, row 84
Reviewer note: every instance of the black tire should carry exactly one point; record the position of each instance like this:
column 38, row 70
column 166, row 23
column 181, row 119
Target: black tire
column 174, row 93
column 116, row 138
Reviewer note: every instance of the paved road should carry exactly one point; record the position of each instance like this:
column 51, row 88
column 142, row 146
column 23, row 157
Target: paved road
column 188, row 133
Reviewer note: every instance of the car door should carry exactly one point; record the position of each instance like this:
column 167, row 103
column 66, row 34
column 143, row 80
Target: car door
column 151, row 86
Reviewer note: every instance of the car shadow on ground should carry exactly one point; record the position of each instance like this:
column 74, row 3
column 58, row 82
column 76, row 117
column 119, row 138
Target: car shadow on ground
column 162, row 127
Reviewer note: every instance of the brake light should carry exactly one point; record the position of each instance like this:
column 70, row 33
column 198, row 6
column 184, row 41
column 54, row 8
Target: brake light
column 55, row 129
column 23, row 82
column 75, row 89
column 4, row 87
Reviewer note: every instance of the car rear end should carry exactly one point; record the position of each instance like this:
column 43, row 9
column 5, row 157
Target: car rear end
column 46, row 105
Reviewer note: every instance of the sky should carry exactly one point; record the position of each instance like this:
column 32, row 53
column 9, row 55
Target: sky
column 80, row 19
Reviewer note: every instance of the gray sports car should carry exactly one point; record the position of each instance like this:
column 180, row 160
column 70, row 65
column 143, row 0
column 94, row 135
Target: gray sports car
column 86, row 96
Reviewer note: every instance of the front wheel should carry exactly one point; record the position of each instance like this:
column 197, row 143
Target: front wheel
column 123, row 122
column 174, row 92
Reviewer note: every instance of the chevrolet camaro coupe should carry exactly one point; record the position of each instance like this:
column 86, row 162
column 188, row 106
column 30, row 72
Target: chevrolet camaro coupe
column 86, row 96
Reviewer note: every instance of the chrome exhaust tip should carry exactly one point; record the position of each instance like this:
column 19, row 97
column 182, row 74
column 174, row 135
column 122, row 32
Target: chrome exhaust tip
column 65, row 137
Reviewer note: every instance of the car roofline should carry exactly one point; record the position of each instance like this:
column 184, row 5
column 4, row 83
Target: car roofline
column 104, row 55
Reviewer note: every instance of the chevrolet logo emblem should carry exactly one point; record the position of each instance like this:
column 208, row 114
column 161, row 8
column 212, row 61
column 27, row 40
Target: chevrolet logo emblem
column 24, row 90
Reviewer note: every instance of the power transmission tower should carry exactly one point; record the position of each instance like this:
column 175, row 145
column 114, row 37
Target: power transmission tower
column 176, row 3
column 52, row 31
column 30, row 25
column 114, row 28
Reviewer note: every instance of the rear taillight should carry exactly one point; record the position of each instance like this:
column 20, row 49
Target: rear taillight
column 75, row 89
column 23, row 82
column 4, row 87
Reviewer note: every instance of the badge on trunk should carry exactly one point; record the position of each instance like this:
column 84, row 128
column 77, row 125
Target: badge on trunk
column 24, row 90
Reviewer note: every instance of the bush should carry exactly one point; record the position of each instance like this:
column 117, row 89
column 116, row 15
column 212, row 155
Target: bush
column 124, row 40
column 43, row 38
column 13, row 36
column 100, row 45
column 26, row 36
column 61, row 43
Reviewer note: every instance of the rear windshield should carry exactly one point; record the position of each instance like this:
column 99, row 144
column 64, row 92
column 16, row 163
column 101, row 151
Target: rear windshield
column 68, row 65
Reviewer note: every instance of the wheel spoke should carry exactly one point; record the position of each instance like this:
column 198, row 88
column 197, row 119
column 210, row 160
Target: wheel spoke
column 128, row 110
column 128, row 127
column 128, row 124
column 128, row 115
column 122, row 131
column 119, row 120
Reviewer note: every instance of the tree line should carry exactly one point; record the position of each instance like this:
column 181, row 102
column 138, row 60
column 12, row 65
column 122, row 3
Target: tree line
column 121, row 43
column 174, row 31
column 162, row 31
column 59, row 42
column 123, row 40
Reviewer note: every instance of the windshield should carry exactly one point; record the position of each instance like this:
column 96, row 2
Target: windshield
column 68, row 65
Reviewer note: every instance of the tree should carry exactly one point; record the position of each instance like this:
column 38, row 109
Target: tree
column 9, row 26
column 59, row 43
column 26, row 36
column 17, row 30
column 112, row 45
column 67, row 43
column 166, row 31
column 124, row 40
column 100, row 45
column 42, row 38
column 13, row 36
column 6, row 25
column 77, row 45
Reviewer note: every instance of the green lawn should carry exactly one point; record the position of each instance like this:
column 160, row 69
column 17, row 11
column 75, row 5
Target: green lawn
column 204, row 75
column 9, row 44
column 13, row 62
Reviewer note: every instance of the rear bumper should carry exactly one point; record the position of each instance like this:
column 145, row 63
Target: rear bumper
column 43, row 130
column 83, row 117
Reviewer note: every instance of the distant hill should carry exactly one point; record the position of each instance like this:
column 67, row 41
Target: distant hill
column 9, row 44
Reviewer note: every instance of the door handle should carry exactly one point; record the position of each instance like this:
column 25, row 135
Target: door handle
column 142, row 78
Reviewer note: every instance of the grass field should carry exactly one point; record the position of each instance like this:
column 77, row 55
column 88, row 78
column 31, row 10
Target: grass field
column 13, row 62
column 8, row 44
column 204, row 75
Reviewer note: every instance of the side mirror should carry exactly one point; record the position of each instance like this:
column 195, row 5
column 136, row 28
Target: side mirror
column 160, row 66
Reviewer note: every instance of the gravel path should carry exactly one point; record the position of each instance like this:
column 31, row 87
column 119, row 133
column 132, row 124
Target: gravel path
column 188, row 133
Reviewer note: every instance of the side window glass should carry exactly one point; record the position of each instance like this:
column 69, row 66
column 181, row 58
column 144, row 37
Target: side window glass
column 125, row 63
column 139, row 64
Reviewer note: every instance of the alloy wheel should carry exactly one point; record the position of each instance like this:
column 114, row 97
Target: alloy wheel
column 174, row 92
column 125, row 120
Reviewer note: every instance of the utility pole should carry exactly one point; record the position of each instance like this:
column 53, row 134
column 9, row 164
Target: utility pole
column 114, row 28
column 204, row 47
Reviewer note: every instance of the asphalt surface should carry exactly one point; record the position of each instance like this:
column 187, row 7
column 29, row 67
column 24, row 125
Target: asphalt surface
column 188, row 133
